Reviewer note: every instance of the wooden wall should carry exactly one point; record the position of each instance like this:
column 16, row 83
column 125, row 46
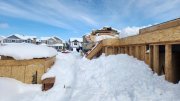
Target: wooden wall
column 23, row 70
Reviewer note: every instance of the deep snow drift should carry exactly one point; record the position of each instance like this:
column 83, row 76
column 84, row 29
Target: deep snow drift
column 130, row 31
column 27, row 51
column 11, row 89
column 113, row 78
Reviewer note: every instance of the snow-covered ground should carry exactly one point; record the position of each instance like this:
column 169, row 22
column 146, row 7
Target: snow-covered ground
column 112, row 78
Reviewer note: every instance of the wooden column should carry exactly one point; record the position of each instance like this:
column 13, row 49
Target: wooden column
column 138, row 52
column 122, row 50
column 127, row 50
column 119, row 50
column 103, row 49
column 168, row 63
column 156, row 59
column 132, row 51
column 151, row 57
column 143, row 51
column 106, row 51
column 113, row 50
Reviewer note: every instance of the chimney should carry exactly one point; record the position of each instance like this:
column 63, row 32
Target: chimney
column 34, row 41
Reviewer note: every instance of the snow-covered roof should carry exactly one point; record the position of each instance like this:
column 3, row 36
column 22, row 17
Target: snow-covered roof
column 56, row 45
column 27, row 51
column 45, row 38
column 24, row 37
column 38, row 40
column 2, row 36
column 78, row 39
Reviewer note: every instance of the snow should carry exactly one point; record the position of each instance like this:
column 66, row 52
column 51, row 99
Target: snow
column 24, row 37
column 130, row 31
column 45, row 38
column 11, row 89
column 55, row 45
column 112, row 78
column 78, row 39
column 27, row 51
column 102, row 37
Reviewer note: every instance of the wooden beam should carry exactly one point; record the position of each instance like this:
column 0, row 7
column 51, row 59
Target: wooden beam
column 168, row 63
column 151, row 57
column 156, row 59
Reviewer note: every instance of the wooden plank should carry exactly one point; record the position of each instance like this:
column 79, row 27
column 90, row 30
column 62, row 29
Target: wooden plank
column 168, row 63
column 151, row 57
column 5, row 71
column 49, row 80
column 161, row 26
column 94, row 51
column 18, row 73
column 156, row 59
column 30, row 71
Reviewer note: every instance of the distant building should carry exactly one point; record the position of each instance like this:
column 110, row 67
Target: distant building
column 75, row 43
column 1, row 39
column 16, row 38
column 54, row 42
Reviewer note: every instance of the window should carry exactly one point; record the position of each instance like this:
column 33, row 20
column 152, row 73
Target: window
column 13, row 41
column 50, row 41
column 29, row 41
column 75, row 43
column 8, row 40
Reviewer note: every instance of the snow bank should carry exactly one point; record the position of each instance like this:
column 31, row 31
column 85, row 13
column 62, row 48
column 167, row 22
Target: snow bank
column 113, row 78
column 102, row 37
column 130, row 31
column 11, row 89
column 27, row 51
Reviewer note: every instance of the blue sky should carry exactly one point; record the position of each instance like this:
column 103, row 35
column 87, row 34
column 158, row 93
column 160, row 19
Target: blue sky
column 74, row 18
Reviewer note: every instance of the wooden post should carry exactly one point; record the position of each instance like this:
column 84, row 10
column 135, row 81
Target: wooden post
column 127, row 50
column 119, row 50
column 106, row 51
column 138, row 52
column 168, row 63
column 143, row 51
column 156, row 59
column 103, row 49
column 151, row 57
column 122, row 50
column 113, row 50
column 132, row 51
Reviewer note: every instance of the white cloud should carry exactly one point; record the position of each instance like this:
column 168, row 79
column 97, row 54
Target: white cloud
column 4, row 25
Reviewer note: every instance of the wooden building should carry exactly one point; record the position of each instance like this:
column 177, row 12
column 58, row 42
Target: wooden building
column 26, row 71
column 162, row 41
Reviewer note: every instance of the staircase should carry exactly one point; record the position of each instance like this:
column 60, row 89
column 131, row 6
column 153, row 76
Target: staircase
column 95, row 50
